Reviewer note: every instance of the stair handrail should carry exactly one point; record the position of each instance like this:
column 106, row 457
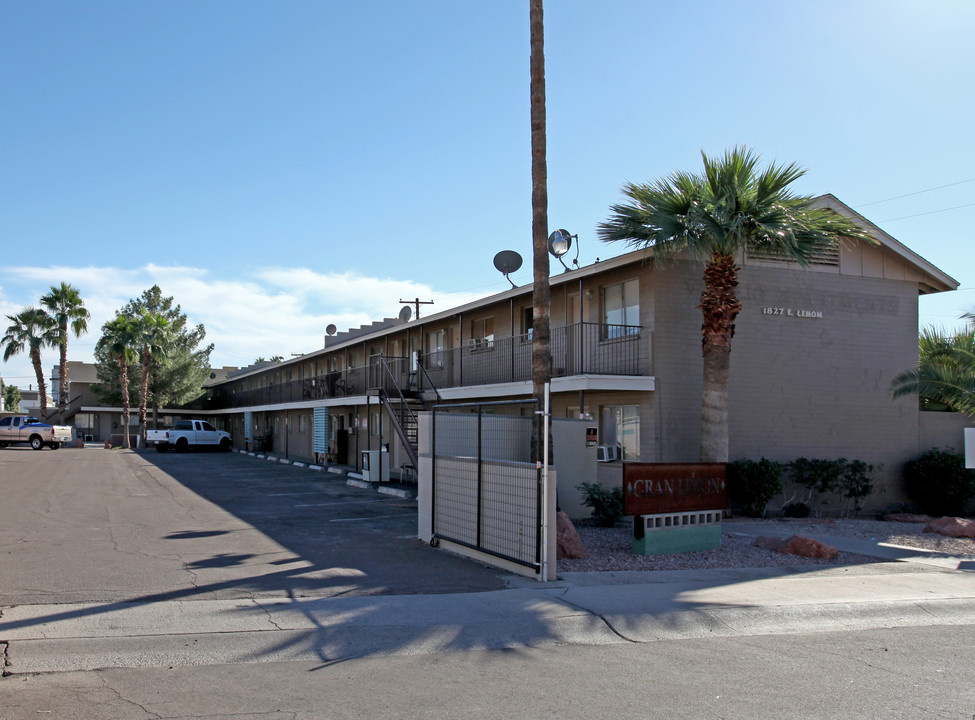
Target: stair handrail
column 398, row 426
column 432, row 386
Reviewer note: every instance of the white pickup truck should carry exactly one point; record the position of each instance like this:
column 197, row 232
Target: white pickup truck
column 189, row 434
column 23, row 429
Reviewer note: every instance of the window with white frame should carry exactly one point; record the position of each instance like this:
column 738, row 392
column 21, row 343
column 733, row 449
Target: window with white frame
column 621, row 428
column 621, row 309
column 482, row 334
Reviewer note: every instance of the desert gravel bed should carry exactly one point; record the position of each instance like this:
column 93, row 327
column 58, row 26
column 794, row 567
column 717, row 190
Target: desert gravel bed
column 610, row 548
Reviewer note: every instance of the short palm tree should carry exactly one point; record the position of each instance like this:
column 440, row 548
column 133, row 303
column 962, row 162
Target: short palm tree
column 118, row 341
column 153, row 339
column 945, row 376
column 713, row 217
column 30, row 330
column 66, row 308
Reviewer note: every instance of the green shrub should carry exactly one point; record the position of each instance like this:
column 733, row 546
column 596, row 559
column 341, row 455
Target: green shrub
column 607, row 505
column 753, row 483
column 855, row 483
column 848, row 478
column 939, row 483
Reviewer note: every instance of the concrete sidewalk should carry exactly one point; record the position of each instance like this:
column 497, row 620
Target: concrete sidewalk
column 582, row 608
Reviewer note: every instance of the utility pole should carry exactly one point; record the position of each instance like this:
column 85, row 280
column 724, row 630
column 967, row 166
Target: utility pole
column 417, row 302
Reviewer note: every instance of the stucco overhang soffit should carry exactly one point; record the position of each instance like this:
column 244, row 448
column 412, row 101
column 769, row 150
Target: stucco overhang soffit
column 938, row 280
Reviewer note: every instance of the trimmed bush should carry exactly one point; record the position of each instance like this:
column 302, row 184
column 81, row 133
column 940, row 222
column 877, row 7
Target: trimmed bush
column 939, row 483
column 607, row 505
column 753, row 483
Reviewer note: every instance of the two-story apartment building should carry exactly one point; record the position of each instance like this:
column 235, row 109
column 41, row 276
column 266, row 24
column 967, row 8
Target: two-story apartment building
column 813, row 355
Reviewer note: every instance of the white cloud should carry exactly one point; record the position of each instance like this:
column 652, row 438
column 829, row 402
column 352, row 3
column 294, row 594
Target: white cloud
column 276, row 311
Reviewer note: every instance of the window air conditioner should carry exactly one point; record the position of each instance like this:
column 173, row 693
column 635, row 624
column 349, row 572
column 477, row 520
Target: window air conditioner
column 607, row 453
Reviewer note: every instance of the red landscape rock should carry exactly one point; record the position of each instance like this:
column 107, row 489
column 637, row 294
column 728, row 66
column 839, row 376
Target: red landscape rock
column 797, row 545
column 955, row 527
column 567, row 539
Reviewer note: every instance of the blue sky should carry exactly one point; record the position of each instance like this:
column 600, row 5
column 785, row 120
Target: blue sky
column 279, row 166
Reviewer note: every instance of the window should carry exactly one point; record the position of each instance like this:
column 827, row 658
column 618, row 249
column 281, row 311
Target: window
column 5, row 422
column 621, row 427
column 621, row 309
column 374, row 423
column 435, row 348
column 207, row 426
column 482, row 334
column 527, row 322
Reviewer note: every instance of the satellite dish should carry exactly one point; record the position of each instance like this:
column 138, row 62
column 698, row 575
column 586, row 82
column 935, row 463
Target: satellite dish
column 507, row 261
column 213, row 376
column 330, row 330
column 406, row 313
column 559, row 243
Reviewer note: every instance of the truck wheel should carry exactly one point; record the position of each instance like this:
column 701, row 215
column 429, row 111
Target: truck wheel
column 182, row 445
column 224, row 445
column 36, row 443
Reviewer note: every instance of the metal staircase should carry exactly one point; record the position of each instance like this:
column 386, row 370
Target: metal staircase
column 403, row 404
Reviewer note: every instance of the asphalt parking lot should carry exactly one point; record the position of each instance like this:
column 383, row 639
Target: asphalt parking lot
column 94, row 525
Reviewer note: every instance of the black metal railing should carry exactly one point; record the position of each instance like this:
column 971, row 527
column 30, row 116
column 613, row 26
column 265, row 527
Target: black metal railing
column 583, row 348
column 580, row 349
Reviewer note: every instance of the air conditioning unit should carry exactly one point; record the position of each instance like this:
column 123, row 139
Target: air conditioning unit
column 607, row 453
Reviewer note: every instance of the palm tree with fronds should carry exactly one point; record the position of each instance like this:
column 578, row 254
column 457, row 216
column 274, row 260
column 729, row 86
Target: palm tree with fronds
column 118, row 341
column 945, row 376
column 712, row 217
column 153, row 339
column 30, row 330
column 66, row 309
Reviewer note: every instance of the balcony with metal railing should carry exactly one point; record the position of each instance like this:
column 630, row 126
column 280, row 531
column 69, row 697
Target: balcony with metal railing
column 580, row 349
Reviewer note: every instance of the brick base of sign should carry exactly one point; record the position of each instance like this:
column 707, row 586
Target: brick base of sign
column 676, row 532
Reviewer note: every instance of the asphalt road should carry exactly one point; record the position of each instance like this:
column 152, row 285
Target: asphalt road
column 81, row 526
column 889, row 673
column 218, row 585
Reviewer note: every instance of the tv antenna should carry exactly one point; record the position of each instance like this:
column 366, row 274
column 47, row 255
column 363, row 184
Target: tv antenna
column 417, row 302
column 507, row 262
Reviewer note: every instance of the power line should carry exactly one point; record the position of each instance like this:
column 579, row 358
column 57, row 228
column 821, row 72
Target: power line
column 918, row 192
column 930, row 212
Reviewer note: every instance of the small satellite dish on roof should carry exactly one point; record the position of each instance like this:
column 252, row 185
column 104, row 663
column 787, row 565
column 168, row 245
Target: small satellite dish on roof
column 213, row 376
column 406, row 313
column 330, row 329
column 507, row 261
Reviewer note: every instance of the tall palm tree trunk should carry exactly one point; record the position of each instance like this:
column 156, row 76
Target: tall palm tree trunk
column 123, row 368
column 35, row 359
column 143, row 395
column 541, row 291
column 63, row 371
column 719, row 308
